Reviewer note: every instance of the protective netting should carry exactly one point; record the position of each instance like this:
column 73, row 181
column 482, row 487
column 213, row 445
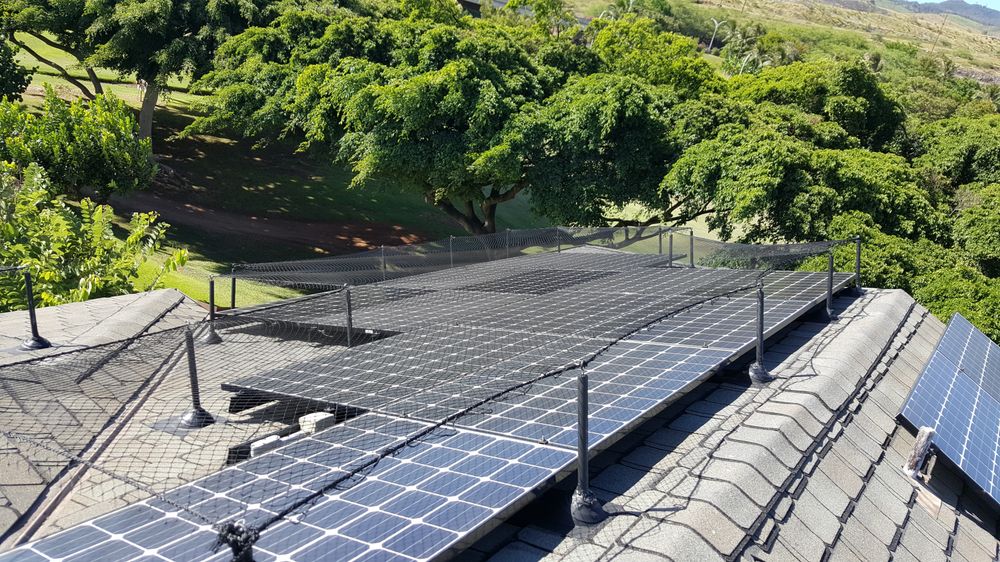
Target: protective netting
column 452, row 364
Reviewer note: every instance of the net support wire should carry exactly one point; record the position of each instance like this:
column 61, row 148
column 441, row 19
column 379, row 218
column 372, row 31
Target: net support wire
column 35, row 341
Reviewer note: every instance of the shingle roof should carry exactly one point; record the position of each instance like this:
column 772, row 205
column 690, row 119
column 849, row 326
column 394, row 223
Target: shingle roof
column 807, row 467
column 26, row 485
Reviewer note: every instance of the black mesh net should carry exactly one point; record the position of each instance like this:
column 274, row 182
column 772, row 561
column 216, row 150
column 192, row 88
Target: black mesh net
column 438, row 378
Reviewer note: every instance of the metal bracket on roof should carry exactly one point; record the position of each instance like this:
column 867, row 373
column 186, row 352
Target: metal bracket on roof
column 916, row 460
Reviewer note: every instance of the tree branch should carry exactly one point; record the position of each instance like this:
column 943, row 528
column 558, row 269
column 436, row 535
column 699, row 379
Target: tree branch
column 470, row 224
column 511, row 193
column 62, row 71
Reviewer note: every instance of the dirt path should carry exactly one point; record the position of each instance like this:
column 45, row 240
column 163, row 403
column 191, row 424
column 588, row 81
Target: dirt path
column 326, row 237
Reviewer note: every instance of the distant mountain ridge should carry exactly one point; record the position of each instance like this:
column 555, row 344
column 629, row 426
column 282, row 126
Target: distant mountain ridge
column 974, row 12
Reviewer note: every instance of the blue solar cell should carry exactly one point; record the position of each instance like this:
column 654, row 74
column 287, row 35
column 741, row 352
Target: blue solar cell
column 420, row 541
column 321, row 550
column 113, row 550
column 374, row 527
column 159, row 533
column 957, row 395
column 458, row 516
column 73, row 540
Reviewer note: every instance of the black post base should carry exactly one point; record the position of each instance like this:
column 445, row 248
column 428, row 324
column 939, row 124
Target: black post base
column 586, row 509
column 759, row 374
column 35, row 343
column 196, row 419
column 210, row 336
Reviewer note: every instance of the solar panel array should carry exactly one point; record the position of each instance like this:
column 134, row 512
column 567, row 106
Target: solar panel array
column 958, row 395
column 468, row 403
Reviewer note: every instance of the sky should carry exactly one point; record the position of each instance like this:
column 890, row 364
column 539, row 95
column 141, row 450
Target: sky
column 995, row 4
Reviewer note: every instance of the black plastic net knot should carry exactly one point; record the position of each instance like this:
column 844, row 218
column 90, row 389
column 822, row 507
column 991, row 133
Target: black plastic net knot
column 239, row 538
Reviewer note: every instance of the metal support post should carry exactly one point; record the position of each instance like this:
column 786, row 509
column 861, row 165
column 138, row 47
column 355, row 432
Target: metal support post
column 451, row 255
column 197, row 416
column 382, row 250
column 585, row 508
column 350, row 319
column 34, row 341
column 210, row 336
column 232, row 289
column 659, row 236
column 757, row 371
column 691, row 246
column 857, row 263
column 829, row 286
column 507, row 241
column 670, row 248
column 558, row 241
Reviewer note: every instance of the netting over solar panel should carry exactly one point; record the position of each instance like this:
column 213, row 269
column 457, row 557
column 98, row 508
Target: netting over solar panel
column 958, row 395
column 392, row 405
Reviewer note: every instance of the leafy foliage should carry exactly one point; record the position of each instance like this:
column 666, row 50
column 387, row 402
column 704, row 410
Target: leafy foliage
column 73, row 254
column 977, row 228
column 14, row 78
column 846, row 93
column 85, row 146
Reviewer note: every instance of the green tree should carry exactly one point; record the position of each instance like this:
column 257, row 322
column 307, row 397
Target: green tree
column 977, row 228
column 965, row 290
column 635, row 46
column 155, row 39
column 14, row 78
column 424, row 114
column 598, row 143
column 72, row 255
column 846, row 93
column 88, row 147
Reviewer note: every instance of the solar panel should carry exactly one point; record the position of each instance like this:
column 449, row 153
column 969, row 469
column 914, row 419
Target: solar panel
column 958, row 394
column 496, row 343
column 410, row 506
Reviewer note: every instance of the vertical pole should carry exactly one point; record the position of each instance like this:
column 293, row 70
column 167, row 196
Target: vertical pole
column 232, row 289
column 197, row 416
column 211, row 299
column 350, row 319
column 659, row 236
column 382, row 250
column 829, row 285
column 558, row 242
column 451, row 255
column 757, row 371
column 584, row 507
column 857, row 263
column 34, row 341
column 670, row 247
column 211, row 336
column 691, row 246
column 506, row 242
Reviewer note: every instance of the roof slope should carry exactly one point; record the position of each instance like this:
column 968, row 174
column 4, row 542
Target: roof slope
column 30, row 486
column 803, row 468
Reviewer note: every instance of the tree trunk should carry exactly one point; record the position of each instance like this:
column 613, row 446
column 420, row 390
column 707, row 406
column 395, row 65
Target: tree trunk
column 148, row 107
column 489, row 217
column 98, row 87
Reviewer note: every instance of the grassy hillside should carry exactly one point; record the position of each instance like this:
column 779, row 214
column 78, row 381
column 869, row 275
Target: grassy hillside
column 841, row 31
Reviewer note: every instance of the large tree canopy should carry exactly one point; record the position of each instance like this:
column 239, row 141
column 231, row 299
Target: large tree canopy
column 846, row 93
